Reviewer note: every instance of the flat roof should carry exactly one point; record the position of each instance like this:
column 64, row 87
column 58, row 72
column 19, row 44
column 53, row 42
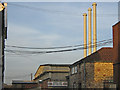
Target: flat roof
column 23, row 82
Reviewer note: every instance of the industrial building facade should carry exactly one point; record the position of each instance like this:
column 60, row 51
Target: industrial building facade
column 99, row 68
column 90, row 72
column 116, row 50
column 52, row 75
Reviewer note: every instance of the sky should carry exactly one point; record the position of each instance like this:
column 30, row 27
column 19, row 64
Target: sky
column 51, row 24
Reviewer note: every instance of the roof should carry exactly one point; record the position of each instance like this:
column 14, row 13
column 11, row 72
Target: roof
column 59, row 65
column 23, row 82
column 52, row 71
column 116, row 23
column 56, row 65
column 104, row 54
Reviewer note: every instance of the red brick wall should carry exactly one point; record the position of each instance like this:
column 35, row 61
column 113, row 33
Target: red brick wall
column 116, row 42
column 116, row 52
column 31, row 85
column 103, row 54
column 45, row 83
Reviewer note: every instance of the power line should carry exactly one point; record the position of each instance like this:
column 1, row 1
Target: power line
column 40, row 9
column 56, row 51
column 56, row 11
column 71, row 46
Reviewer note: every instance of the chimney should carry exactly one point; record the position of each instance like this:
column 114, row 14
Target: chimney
column 89, row 31
column 85, row 34
column 94, row 28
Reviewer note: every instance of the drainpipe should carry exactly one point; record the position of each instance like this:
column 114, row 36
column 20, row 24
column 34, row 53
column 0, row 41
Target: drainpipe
column 84, row 75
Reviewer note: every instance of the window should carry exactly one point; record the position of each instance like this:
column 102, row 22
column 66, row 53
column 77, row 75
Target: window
column 64, row 84
column 72, row 71
column 50, row 83
column 75, row 69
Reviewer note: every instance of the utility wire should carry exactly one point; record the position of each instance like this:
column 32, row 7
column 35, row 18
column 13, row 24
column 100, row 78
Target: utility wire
column 26, row 47
column 55, row 11
column 55, row 51
column 40, row 9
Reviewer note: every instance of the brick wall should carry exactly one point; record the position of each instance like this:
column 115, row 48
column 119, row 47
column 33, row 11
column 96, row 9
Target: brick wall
column 116, row 50
column 91, row 80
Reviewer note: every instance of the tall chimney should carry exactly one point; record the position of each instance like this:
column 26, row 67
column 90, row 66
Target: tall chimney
column 85, row 34
column 94, row 28
column 89, row 31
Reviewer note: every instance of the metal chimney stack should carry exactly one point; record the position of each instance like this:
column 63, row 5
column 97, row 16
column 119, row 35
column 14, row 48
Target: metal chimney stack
column 94, row 28
column 89, row 31
column 85, row 34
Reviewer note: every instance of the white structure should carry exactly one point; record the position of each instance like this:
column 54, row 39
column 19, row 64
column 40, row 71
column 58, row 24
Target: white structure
column 1, row 59
column 119, row 11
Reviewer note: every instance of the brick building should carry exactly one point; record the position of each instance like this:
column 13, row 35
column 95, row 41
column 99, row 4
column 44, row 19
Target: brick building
column 52, row 75
column 116, row 50
column 98, row 69
column 90, row 72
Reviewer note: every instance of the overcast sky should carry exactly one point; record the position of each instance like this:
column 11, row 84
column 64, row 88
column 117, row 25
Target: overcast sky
column 51, row 24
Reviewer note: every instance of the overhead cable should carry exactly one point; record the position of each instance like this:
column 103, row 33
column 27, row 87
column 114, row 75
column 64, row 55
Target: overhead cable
column 70, row 46
column 57, row 11
column 55, row 51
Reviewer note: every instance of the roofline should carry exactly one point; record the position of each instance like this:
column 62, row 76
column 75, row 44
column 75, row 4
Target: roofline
column 55, row 65
column 81, row 60
column 51, row 72
column 65, row 65
column 116, row 23
column 23, row 82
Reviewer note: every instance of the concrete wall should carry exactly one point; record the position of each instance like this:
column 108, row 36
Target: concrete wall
column 45, row 76
column 59, row 76
column 62, row 68
column 43, row 69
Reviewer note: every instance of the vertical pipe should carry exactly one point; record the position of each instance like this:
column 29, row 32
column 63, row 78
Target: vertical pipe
column 31, row 76
column 94, row 27
column 5, row 5
column 1, row 84
column 85, row 44
column 85, row 34
column 89, row 31
column 5, row 20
